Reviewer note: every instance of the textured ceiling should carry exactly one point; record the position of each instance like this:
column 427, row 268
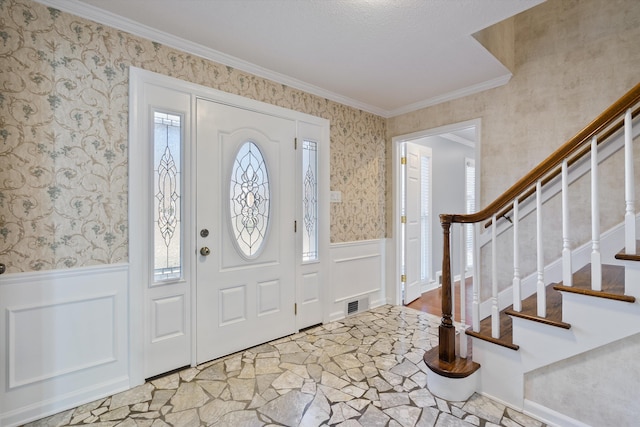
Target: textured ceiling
column 384, row 56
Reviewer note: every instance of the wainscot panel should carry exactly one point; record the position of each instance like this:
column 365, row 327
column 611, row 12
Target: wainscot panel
column 64, row 336
column 357, row 277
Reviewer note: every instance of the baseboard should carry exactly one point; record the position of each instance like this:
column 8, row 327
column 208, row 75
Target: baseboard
column 549, row 416
column 62, row 403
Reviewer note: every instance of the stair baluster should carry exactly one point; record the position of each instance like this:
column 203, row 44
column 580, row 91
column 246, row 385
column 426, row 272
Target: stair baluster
column 630, row 214
column 541, row 289
column 495, row 311
column 567, row 270
column 517, row 286
column 596, row 261
column 475, row 313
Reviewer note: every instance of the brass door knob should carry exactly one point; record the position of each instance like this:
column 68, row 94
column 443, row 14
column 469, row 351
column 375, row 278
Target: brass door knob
column 204, row 251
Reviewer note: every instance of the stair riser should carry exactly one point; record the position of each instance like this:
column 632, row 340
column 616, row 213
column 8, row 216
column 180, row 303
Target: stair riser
column 500, row 373
column 543, row 344
column 632, row 278
column 591, row 322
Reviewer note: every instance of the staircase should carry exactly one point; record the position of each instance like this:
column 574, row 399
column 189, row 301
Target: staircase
column 545, row 338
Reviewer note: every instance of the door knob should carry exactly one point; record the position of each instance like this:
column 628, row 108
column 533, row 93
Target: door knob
column 3, row 268
column 204, row 251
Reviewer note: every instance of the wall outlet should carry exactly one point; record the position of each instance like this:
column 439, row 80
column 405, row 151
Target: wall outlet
column 336, row 197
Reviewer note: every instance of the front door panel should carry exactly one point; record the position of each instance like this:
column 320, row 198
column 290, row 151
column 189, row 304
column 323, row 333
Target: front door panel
column 245, row 202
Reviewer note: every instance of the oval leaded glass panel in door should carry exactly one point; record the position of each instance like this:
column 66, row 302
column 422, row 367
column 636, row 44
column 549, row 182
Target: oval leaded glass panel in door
column 249, row 198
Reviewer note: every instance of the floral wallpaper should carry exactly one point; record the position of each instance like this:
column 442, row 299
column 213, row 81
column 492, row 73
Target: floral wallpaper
column 63, row 138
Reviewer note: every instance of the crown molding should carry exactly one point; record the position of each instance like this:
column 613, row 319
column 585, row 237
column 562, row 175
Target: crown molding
column 450, row 96
column 103, row 17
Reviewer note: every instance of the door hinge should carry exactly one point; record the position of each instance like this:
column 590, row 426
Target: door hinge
column 403, row 160
column 403, row 219
column 403, row 278
column 295, row 226
column 295, row 309
column 295, row 143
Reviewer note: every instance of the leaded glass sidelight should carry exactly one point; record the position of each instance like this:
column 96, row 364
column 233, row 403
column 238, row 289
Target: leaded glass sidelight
column 249, row 199
column 310, row 200
column 167, row 148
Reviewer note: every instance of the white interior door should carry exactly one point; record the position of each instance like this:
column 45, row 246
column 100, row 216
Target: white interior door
column 414, row 235
column 245, row 212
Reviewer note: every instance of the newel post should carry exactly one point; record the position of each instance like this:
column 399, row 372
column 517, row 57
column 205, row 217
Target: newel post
column 447, row 332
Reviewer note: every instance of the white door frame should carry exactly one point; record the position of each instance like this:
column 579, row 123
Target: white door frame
column 139, row 249
column 396, row 153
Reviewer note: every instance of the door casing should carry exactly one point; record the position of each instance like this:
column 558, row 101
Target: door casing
column 394, row 263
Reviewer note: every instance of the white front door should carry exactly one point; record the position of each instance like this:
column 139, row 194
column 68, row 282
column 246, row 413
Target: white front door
column 245, row 213
column 416, row 226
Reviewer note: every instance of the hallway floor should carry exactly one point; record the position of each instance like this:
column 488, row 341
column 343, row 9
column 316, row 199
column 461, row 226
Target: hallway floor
column 365, row 370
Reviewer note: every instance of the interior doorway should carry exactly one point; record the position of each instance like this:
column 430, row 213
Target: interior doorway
column 448, row 184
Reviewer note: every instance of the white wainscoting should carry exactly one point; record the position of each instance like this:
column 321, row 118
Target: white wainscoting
column 64, row 336
column 357, row 272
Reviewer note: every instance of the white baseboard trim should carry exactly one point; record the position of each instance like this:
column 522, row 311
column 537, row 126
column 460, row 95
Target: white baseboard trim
column 549, row 416
column 58, row 404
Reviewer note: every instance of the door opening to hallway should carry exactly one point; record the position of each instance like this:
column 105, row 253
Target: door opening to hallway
column 437, row 174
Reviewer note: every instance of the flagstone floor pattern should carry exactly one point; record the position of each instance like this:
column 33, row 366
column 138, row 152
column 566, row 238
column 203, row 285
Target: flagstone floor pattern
column 365, row 370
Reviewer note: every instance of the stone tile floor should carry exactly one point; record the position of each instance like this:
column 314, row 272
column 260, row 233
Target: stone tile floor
column 365, row 370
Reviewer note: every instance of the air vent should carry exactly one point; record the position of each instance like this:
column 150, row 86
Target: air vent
column 357, row 306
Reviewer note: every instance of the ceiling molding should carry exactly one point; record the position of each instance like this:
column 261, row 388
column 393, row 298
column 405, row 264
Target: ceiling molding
column 450, row 96
column 103, row 17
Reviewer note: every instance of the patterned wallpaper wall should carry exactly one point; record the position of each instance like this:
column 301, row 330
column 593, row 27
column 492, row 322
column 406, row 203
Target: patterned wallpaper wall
column 63, row 138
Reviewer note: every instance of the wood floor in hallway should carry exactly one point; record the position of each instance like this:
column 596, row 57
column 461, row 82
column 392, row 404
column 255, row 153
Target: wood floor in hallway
column 431, row 301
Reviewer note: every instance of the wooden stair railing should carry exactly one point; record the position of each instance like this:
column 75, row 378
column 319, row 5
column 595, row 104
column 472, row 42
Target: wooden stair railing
column 617, row 116
column 571, row 161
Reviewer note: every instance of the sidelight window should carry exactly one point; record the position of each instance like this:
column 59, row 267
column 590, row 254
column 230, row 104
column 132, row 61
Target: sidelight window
column 310, row 200
column 167, row 153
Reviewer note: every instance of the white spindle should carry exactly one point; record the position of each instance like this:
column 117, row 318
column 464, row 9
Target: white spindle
column 567, row 271
column 629, row 214
column 463, row 292
column 541, row 290
column 475, row 307
column 495, row 312
column 517, row 290
column 596, row 263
